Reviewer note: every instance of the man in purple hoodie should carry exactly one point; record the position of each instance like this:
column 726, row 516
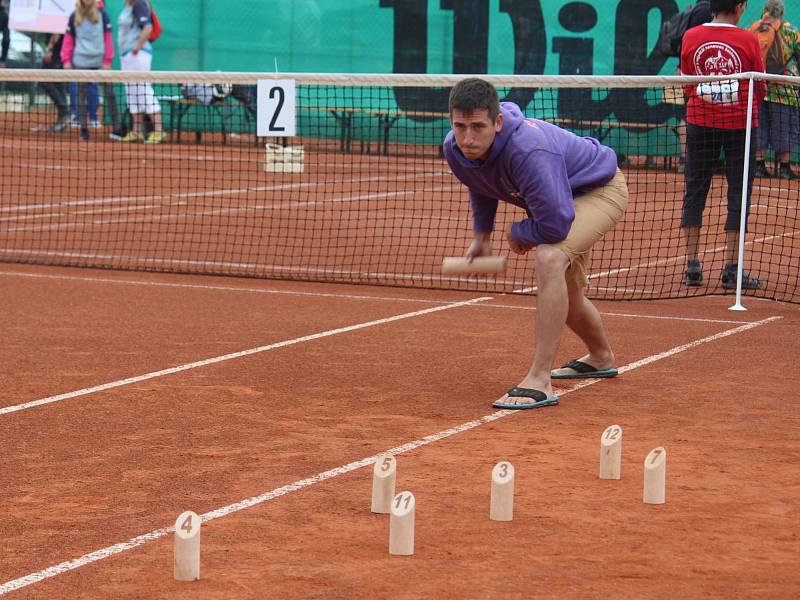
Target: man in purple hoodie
column 573, row 193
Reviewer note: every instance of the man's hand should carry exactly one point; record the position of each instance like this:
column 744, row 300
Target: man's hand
column 516, row 247
column 481, row 246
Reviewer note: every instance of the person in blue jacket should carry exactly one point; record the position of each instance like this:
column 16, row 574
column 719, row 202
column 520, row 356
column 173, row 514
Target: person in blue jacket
column 572, row 193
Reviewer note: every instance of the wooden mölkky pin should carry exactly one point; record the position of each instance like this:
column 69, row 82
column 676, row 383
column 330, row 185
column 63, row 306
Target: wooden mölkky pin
column 187, row 547
column 401, row 524
column 655, row 471
column 384, row 475
column 611, row 452
column 501, row 506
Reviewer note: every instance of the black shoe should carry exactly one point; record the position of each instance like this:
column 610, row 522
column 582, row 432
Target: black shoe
column 785, row 172
column 761, row 170
column 748, row 282
column 61, row 125
column 84, row 134
column 693, row 275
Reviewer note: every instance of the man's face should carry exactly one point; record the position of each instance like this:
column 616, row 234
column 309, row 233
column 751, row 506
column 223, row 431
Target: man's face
column 475, row 131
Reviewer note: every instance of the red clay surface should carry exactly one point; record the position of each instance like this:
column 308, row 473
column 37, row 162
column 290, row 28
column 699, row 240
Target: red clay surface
column 88, row 472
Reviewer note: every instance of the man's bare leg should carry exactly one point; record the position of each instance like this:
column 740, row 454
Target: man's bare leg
column 731, row 247
column 691, row 237
column 584, row 320
column 551, row 316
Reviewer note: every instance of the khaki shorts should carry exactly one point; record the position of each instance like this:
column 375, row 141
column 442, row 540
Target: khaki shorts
column 596, row 212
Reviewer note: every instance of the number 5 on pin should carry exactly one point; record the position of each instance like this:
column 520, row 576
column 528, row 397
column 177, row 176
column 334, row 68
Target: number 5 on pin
column 275, row 108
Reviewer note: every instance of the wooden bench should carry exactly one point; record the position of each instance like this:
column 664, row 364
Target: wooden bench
column 387, row 119
column 218, row 111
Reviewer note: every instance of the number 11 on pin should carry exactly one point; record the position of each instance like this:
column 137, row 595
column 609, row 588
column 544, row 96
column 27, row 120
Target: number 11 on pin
column 401, row 524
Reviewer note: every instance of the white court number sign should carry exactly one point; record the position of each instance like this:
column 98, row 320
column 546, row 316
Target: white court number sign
column 276, row 108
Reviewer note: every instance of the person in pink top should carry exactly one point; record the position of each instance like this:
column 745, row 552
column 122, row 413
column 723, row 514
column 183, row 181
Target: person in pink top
column 88, row 44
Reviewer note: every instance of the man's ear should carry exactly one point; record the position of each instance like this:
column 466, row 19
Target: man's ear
column 498, row 124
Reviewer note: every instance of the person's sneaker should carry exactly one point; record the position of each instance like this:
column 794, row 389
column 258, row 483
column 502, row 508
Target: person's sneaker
column 761, row 170
column 748, row 282
column 117, row 135
column 693, row 275
column 95, row 124
column 59, row 126
column 155, row 137
column 785, row 172
column 132, row 136
column 84, row 134
column 73, row 122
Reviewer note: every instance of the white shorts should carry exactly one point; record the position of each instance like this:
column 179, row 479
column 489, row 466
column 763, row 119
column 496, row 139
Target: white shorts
column 141, row 98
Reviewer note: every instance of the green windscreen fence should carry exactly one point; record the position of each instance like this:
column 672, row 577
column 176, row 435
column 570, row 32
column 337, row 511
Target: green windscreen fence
column 552, row 37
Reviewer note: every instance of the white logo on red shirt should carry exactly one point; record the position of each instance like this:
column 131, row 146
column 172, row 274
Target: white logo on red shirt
column 716, row 58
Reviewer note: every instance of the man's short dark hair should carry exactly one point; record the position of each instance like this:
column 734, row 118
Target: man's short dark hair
column 725, row 6
column 473, row 94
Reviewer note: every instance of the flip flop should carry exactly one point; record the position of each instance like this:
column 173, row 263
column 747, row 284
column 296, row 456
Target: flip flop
column 584, row 371
column 539, row 399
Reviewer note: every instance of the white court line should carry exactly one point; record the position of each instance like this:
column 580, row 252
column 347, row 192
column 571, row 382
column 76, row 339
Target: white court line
column 224, row 288
column 134, row 542
column 217, row 192
column 258, row 268
column 666, row 261
column 218, row 359
column 278, row 205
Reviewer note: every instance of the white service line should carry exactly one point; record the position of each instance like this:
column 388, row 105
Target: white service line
column 250, row 290
column 186, row 214
column 134, row 542
column 213, row 193
column 218, row 359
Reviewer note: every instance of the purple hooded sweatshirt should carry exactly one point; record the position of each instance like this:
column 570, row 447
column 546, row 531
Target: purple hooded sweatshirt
column 536, row 166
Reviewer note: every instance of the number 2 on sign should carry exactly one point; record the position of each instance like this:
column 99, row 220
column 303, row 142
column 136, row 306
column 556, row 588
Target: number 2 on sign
column 275, row 108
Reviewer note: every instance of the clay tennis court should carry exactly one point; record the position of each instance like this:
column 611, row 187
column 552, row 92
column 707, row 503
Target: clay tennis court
column 131, row 394
column 305, row 382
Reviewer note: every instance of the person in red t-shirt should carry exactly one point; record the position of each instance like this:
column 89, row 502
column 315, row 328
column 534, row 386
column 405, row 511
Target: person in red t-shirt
column 716, row 116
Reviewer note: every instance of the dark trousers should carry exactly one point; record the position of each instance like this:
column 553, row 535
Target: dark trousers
column 111, row 104
column 57, row 92
column 703, row 145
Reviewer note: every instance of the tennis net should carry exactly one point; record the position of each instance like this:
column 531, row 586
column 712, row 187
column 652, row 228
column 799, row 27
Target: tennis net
column 360, row 194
